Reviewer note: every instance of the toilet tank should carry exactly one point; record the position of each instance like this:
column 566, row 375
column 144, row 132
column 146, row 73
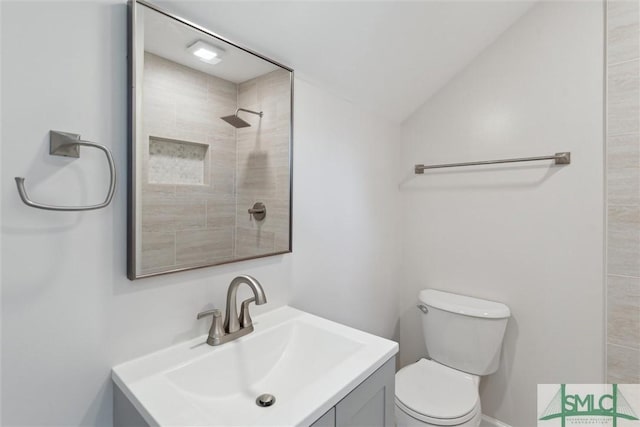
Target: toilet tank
column 462, row 332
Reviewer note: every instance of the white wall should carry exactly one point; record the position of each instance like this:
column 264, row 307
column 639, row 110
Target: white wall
column 527, row 235
column 346, row 233
column 68, row 311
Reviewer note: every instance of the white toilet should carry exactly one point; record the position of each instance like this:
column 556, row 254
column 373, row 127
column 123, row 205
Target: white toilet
column 464, row 338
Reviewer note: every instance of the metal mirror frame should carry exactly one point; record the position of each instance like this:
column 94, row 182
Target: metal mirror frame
column 132, row 6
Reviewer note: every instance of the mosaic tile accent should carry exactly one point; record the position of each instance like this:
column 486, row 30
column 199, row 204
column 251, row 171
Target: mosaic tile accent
column 176, row 162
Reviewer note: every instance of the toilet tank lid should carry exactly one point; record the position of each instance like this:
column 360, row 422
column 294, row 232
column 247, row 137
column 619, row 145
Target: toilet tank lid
column 464, row 305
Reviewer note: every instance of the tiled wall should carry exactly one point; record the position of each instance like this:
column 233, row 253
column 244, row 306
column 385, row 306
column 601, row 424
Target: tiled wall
column 263, row 165
column 187, row 225
column 623, row 191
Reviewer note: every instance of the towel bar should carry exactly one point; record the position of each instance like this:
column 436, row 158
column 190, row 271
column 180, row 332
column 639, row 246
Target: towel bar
column 68, row 145
column 563, row 158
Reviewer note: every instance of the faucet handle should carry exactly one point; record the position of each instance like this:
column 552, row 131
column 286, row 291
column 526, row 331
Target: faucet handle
column 215, row 313
column 216, row 332
column 245, row 318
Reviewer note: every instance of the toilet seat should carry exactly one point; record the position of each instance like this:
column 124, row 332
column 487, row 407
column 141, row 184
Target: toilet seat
column 436, row 394
column 430, row 421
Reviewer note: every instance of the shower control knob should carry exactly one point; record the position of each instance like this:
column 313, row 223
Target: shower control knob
column 258, row 211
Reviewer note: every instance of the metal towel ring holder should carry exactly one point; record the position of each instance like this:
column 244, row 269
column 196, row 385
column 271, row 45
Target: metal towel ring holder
column 68, row 145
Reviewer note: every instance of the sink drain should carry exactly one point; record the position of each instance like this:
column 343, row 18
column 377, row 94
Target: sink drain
column 265, row 400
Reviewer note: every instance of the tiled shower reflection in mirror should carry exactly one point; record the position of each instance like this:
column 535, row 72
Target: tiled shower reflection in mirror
column 212, row 138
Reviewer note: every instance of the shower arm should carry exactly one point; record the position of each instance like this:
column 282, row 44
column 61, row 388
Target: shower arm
column 249, row 111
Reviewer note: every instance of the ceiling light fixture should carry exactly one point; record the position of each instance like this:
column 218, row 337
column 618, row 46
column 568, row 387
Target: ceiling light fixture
column 206, row 52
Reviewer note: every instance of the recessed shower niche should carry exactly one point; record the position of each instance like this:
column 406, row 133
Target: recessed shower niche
column 210, row 148
column 177, row 162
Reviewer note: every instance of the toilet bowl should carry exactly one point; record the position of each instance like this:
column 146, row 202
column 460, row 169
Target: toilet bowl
column 464, row 337
column 431, row 394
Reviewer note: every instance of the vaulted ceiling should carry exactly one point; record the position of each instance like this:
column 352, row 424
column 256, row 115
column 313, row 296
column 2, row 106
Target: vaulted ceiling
column 387, row 56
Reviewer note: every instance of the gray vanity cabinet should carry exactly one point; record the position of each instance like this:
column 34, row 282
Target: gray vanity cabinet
column 370, row 404
column 327, row 420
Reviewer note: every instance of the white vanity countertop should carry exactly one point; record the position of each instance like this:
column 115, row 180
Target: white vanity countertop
column 308, row 363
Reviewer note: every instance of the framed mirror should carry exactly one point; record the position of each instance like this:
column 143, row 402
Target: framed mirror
column 210, row 144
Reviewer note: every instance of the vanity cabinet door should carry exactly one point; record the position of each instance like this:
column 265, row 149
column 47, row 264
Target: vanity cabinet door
column 327, row 420
column 372, row 402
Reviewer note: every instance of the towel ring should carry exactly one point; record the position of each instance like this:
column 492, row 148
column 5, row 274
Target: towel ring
column 68, row 145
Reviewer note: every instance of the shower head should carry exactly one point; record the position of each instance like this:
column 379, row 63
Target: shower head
column 236, row 121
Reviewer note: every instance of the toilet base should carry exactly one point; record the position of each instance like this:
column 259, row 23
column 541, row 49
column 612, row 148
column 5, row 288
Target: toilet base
column 405, row 420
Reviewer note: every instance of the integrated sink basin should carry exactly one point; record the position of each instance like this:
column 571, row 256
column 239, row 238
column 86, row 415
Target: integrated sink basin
column 307, row 363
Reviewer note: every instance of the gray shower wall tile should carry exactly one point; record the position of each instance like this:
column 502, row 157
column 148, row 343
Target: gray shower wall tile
column 274, row 87
column 264, row 174
column 158, row 251
column 172, row 214
column 263, row 165
column 224, row 91
column 268, row 151
column 204, row 246
column 623, row 186
column 154, row 191
column 623, row 240
column 157, row 214
column 226, row 131
column 160, row 74
column 224, row 158
column 623, row 191
column 194, row 116
column 623, row 30
column 250, row 163
column 172, row 81
column 221, row 212
column 623, row 152
column 623, row 365
column 194, row 192
column 223, row 180
column 223, row 165
column 254, row 242
column 266, row 182
column 248, row 94
column 257, row 181
column 278, row 117
column 185, row 105
column 223, row 144
column 182, row 80
column 274, row 138
column 159, row 109
column 623, row 311
column 190, row 214
column 623, row 98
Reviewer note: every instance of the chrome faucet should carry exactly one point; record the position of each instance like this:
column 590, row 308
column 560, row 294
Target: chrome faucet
column 234, row 326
